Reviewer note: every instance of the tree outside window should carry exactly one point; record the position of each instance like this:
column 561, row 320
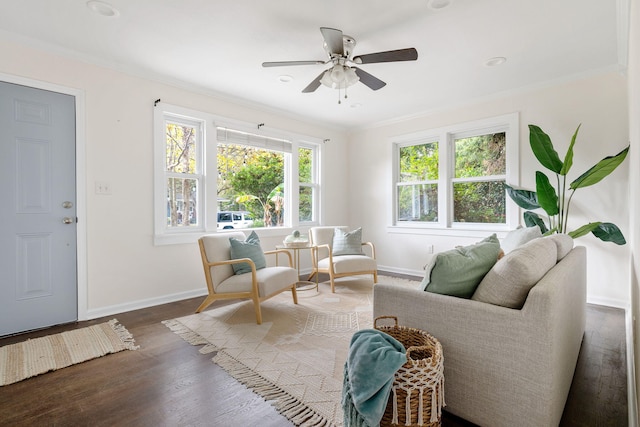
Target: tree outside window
column 181, row 174
column 252, row 179
column 306, row 184
column 480, row 175
column 417, row 187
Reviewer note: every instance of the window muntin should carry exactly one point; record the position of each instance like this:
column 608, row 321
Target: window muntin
column 453, row 177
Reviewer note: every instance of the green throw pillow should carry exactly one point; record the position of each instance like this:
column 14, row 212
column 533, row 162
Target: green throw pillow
column 249, row 248
column 458, row 272
column 347, row 243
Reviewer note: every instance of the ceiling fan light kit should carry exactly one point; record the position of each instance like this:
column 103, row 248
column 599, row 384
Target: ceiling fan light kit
column 340, row 76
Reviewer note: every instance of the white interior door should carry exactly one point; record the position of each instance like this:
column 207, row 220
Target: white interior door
column 38, row 278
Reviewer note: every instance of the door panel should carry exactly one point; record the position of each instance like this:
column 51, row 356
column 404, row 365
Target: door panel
column 38, row 280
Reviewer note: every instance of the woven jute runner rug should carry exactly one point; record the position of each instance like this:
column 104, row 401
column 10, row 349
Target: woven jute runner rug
column 39, row 355
column 295, row 359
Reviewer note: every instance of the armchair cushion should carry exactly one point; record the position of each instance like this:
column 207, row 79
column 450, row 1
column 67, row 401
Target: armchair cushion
column 249, row 248
column 270, row 280
column 347, row 243
column 347, row 263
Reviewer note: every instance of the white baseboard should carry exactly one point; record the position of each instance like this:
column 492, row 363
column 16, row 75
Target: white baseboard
column 396, row 270
column 609, row 302
column 136, row 305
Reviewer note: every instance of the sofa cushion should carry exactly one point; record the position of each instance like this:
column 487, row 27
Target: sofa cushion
column 518, row 237
column 249, row 248
column 347, row 243
column 459, row 271
column 564, row 244
column 509, row 281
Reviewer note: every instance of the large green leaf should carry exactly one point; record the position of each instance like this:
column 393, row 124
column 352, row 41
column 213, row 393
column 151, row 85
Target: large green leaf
column 584, row 230
column 526, row 199
column 547, row 197
column 598, row 172
column 532, row 219
column 543, row 149
column 608, row 232
column 568, row 158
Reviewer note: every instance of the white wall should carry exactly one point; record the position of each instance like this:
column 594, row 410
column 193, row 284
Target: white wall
column 598, row 102
column 124, row 269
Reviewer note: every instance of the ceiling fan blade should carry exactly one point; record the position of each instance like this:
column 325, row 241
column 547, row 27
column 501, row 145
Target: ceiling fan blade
column 372, row 82
column 315, row 84
column 287, row 63
column 409, row 54
column 333, row 39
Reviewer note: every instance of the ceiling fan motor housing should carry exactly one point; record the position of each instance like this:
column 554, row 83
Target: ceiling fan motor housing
column 348, row 42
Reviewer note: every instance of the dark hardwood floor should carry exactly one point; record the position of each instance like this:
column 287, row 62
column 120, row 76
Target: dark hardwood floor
column 167, row 382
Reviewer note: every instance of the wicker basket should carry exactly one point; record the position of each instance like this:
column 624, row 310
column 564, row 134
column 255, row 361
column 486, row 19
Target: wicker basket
column 417, row 395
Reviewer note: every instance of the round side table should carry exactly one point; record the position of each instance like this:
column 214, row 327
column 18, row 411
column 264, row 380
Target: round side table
column 301, row 285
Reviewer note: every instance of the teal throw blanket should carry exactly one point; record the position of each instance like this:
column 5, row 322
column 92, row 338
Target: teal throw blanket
column 374, row 357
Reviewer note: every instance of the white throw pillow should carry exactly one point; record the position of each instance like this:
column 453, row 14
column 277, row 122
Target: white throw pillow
column 518, row 237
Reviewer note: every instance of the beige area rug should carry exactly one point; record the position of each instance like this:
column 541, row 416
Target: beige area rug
column 295, row 359
column 39, row 355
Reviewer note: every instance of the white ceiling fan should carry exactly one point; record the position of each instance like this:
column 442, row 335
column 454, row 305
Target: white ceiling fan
column 341, row 74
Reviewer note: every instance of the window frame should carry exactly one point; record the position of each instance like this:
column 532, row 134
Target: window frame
column 314, row 184
column 207, row 208
column 445, row 137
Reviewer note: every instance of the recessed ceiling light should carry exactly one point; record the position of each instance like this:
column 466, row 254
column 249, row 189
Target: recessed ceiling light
column 285, row 78
column 438, row 4
column 102, row 8
column 495, row 61
column 356, row 105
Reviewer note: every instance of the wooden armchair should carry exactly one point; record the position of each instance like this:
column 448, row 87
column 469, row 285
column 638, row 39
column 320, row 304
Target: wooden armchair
column 258, row 285
column 325, row 261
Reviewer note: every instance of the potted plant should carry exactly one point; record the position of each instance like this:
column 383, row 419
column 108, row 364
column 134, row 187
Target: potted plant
column 556, row 201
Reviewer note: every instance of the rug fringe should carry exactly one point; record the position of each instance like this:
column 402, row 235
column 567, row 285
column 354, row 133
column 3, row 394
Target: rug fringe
column 187, row 334
column 289, row 406
column 124, row 335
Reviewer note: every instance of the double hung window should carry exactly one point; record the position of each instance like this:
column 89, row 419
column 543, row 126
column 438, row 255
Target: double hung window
column 453, row 178
column 207, row 167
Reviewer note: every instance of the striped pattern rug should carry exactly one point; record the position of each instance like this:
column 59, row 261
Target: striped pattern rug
column 39, row 355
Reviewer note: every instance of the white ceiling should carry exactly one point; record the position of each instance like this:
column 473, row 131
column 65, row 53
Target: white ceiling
column 218, row 47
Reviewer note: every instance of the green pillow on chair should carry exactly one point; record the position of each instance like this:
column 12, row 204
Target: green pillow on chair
column 249, row 248
column 347, row 243
column 458, row 272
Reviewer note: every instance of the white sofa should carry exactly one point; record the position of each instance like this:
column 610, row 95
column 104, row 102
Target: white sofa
column 503, row 366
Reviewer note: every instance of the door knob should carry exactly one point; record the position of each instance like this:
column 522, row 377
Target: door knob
column 67, row 220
